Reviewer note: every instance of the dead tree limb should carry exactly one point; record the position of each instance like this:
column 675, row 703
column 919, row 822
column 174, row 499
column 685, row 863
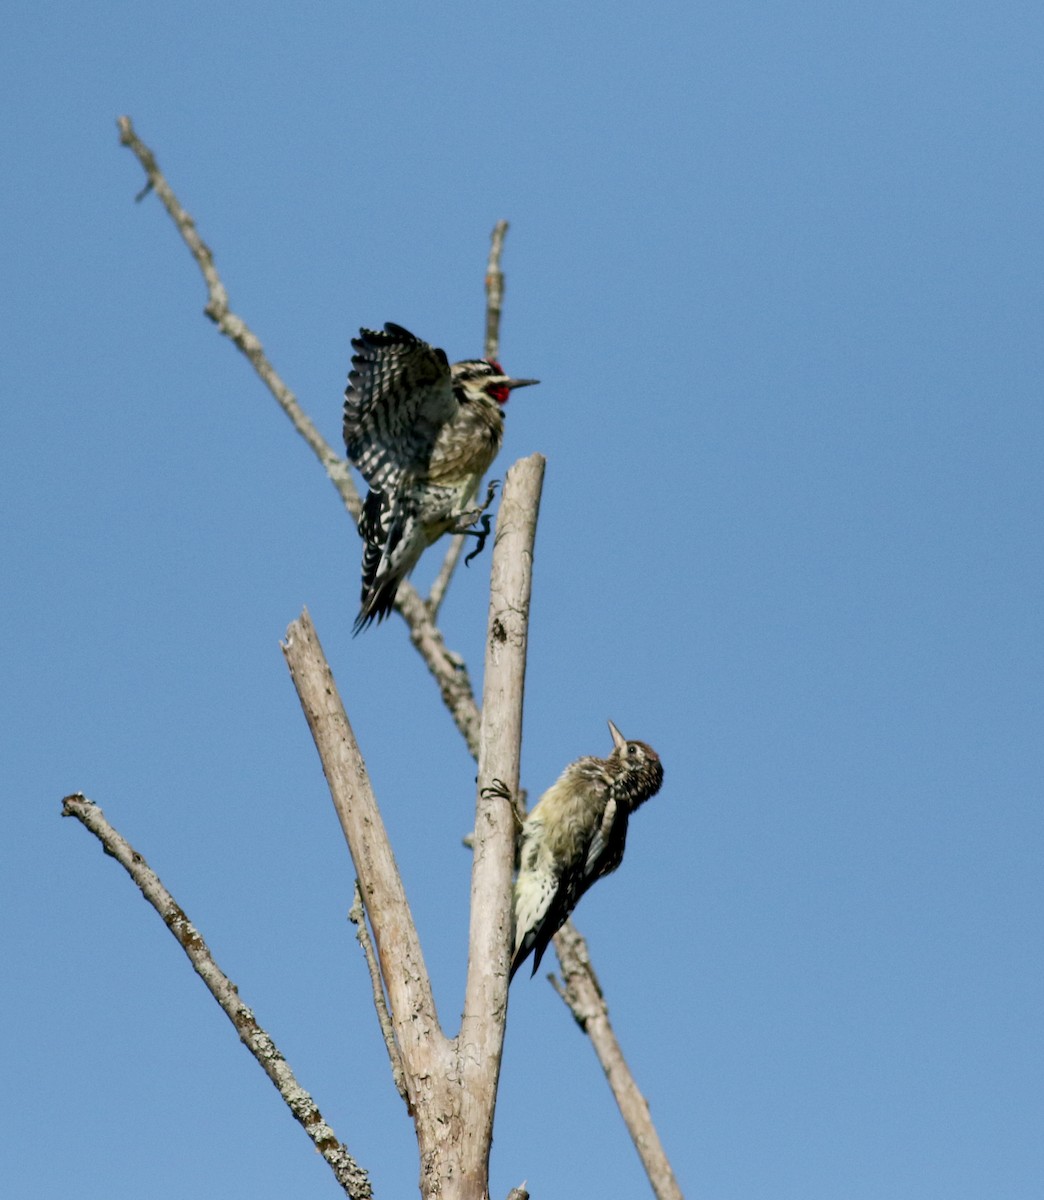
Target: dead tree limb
column 357, row 916
column 494, row 304
column 480, row 1041
column 233, row 326
column 352, row 1178
column 451, row 1085
column 582, row 992
column 403, row 970
column 494, row 290
column 447, row 667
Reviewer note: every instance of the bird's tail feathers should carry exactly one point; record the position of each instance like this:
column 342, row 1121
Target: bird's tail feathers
column 394, row 541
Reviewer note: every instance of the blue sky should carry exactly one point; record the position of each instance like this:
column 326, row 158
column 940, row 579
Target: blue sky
column 778, row 268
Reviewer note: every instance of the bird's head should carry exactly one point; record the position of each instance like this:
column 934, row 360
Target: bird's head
column 477, row 377
column 637, row 765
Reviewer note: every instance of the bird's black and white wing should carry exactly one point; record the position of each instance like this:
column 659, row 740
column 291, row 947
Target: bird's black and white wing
column 399, row 396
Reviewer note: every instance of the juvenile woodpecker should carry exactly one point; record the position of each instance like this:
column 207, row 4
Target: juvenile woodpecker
column 574, row 835
column 422, row 432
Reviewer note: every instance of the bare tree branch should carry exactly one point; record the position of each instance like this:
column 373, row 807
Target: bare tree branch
column 442, row 580
column 495, row 290
column 481, row 1036
column 447, row 668
column 352, row 1178
column 494, row 302
column 424, row 1050
column 434, row 1068
column 233, row 326
column 451, row 1088
column 582, row 992
column 357, row 916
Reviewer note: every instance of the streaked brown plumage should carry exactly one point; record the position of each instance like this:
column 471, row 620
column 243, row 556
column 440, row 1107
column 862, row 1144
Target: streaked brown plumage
column 575, row 834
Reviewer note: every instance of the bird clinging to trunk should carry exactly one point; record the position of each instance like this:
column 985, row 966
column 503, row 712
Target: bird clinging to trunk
column 574, row 835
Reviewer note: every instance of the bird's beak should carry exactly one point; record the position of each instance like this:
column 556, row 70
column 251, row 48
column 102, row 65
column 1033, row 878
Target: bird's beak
column 618, row 738
column 511, row 384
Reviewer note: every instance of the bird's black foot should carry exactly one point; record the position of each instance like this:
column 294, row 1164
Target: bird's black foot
column 480, row 517
column 491, row 491
column 497, row 790
column 480, row 536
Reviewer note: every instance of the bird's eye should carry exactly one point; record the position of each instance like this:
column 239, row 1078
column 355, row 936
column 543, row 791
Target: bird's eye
column 632, row 750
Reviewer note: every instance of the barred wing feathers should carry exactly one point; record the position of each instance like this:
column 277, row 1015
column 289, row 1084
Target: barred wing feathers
column 393, row 540
column 399, row 396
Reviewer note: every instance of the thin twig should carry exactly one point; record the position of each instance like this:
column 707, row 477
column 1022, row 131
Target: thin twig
column 357, row 916
column 582, row 993
column 447, row 667
column 352, row 1178
column 495, row 290
column 442, row 580
column 233, row 326
column 494, row 303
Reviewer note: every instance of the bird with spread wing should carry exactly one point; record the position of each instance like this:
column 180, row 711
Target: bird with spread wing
column 422, row 432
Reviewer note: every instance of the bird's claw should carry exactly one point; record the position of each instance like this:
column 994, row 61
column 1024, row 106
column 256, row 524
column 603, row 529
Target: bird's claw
column 491, row 491
column 480, row 539
column 477, row 516
column 497, row 790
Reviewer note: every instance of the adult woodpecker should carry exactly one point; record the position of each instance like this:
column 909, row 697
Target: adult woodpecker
column 422, row 432
column 574, row 835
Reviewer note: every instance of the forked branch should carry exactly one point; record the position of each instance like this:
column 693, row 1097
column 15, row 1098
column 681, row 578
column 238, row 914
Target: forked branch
column 452, row 1101
column 447, row 667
